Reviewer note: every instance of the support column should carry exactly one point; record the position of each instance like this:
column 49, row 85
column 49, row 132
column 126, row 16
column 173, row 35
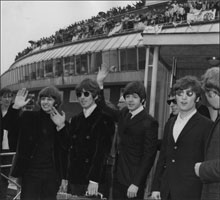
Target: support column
column 146, row 67
column 154, row 81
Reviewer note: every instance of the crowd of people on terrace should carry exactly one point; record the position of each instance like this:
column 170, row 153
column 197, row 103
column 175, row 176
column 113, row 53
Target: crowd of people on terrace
column 120, row 19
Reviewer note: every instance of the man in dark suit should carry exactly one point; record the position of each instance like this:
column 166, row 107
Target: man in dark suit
column 138, row 133
column 209, row 170
column 91, row 131
column 6, row 97
column 183, row 145
column 41, row 139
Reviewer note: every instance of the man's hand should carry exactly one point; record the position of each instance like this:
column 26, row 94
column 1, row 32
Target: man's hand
column 63, row 186
column 155, row 195
column 20, row 99
column 102, row 74
column 196, row 168
column 132, row 191
column 57, row 118
column 92, row 188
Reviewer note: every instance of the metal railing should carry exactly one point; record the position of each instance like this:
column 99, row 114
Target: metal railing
column 8, row 177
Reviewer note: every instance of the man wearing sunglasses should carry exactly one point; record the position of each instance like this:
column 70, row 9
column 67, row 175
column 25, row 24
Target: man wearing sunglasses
column 183, row 145
column 171, row 101
column 41, row 138
column 91, row 131
column 209, row 170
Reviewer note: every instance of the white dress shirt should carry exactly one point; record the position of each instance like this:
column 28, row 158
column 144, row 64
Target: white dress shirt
column 88, row 112
column 135, row 112
column 180, row 124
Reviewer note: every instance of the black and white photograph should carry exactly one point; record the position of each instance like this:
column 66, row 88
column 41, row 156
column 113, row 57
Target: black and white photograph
column 110, row 100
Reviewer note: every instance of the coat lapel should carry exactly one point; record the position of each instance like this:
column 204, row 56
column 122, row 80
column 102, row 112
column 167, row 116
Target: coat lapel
column 137, row 118
column 170, row 134
column 186, row 130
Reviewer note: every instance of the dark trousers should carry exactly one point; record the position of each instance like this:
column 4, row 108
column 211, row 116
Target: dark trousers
column 40, row 185
column 120, row 192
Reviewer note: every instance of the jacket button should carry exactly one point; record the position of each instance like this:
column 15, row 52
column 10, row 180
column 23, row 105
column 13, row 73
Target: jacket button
column 173, row 161
column 175, row 147
column 86, row 160
column 87, row 137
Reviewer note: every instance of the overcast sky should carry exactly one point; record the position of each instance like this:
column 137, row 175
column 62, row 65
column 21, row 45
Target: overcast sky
column 22, row 21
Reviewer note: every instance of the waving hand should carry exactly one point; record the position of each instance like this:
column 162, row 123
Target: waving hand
column 21, row 99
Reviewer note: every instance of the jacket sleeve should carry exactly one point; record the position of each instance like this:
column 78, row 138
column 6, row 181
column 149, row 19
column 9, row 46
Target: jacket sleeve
column 111, row 112
column 103, row 145
column 209, row 171
column 150, row 150
column 64, row 136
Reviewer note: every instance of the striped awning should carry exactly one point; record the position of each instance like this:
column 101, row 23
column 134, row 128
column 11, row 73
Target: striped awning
column 112, row 43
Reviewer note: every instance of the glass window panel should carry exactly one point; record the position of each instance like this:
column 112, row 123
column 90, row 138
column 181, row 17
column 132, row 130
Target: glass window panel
column 26, row 73
column 33, row 71
column 72, row 65
column 95, row 61
column 84, row 67
column 59, row 67
column 110, row 58
column 49, row 68
column 123, row 60
column 40, row 70
column 69, row 65
column 132, row 59
column 66, row 66
column 81, row 64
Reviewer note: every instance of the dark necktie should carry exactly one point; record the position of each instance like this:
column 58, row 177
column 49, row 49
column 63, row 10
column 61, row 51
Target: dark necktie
column 128, row 116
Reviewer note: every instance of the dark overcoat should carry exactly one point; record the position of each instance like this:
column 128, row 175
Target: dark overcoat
column 91, row 142
column 210, row 169
column 174, row 173
column 25, row 130
column 137, row 147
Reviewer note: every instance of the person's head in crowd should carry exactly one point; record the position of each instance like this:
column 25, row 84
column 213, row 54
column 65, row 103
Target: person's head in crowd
column 49, row 97
column 6, row 97
column 187, row 90
column 134, row 95
column 87, row 92
column 171, row 101
column 121, row 102
column 210, row 85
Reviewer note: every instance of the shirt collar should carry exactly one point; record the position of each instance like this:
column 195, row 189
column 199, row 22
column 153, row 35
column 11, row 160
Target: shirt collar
column 88, row 112
column 135, row 112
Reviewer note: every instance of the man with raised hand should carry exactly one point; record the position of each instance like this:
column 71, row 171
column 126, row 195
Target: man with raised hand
column 41, row 140
column 138, row 133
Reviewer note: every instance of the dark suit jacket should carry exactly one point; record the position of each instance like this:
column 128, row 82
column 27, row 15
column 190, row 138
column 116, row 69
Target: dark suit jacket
column 175, row 167
column 137, row 146
column 210, row 168
column 91, row 142
column 25, row 133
